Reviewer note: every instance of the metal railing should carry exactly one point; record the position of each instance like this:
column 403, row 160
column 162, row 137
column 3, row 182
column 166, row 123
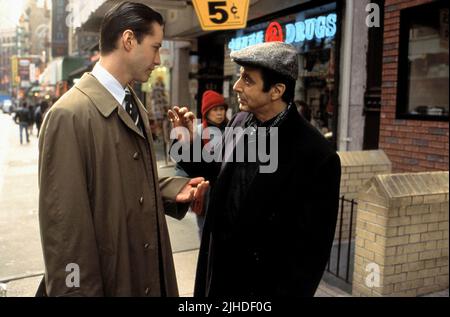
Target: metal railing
column 338, row 265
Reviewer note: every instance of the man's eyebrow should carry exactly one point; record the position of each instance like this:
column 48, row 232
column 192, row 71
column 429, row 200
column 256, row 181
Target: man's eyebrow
column 247, row 75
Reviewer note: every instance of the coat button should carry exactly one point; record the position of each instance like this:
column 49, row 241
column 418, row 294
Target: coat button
column 147, row 245
column 147, row 291
column 141, row 200
column 136, row 156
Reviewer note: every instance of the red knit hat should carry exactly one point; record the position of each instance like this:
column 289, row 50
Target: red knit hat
column 210, row 100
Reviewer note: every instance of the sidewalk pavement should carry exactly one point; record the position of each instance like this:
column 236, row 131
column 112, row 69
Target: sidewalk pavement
column 185, row 264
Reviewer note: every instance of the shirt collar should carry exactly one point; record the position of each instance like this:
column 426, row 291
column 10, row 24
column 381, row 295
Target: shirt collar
column 109, row 82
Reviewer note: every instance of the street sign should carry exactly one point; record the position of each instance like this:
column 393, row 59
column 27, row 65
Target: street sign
column 221, row 14
column 15, row 71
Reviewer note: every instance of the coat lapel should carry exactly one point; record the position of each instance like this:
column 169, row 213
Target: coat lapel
column 126, row 119
column 98, row 94
column 229, row 146
column 142, row 112
column 283, row 135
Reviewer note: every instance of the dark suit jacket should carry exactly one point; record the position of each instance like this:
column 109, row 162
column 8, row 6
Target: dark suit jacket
column 281, row 239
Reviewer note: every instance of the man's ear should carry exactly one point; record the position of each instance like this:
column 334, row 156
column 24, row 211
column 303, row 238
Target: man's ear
column 278, row 91
column 128, row 40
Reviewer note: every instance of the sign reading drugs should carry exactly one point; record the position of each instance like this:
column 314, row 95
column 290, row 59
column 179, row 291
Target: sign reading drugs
column 318, row 28
column 222, row 14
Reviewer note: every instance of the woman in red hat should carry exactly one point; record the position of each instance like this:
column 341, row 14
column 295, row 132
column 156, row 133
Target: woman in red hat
column 214, row 111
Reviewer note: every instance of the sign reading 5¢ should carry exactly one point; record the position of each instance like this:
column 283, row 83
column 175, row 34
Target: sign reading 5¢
column 221, row 14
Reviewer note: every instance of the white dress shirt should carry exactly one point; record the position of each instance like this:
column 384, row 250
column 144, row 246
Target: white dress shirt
column 110, row 83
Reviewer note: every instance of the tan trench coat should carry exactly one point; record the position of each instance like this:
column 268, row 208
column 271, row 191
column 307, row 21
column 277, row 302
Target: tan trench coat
column 101, row 205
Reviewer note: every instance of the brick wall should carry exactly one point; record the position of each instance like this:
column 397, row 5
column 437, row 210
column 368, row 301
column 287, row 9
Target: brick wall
column 412, row 145
column 402, row 229
column 357, row 167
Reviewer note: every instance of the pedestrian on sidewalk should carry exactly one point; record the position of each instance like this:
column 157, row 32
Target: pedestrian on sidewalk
column 39, row 114
column 213, row 116
column 30, row 120
column 101, row 205
column 267, row 233
column 21, row 118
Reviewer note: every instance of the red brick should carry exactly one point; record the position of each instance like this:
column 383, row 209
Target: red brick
column 390, row 72
column 441, row 166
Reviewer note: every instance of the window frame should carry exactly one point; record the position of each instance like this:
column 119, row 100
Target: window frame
column 406, row 16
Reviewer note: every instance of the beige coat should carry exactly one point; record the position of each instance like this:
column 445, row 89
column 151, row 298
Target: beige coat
column 101, row 205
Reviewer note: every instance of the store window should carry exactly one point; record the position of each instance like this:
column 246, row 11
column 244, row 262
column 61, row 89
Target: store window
column 423, row 78
column 313, row 32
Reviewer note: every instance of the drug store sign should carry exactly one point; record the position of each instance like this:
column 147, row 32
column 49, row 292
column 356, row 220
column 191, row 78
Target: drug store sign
column 317, row 28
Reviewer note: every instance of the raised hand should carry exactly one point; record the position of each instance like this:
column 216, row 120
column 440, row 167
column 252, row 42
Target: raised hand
column 182, row 118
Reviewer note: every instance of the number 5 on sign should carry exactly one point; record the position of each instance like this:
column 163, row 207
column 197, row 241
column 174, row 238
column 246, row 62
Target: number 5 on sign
column 221, row 14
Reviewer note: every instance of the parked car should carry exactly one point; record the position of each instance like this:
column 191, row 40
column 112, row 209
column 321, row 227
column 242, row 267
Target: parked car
column 8, row 106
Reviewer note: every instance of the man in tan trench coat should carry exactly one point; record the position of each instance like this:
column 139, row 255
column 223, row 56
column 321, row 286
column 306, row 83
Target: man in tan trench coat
column 101, row 204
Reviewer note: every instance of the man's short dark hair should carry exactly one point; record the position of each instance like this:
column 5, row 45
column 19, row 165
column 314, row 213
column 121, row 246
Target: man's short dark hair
column 136, row 17
column 271, row 78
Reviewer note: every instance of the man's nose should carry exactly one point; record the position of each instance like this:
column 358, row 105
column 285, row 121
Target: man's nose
column 157, row 59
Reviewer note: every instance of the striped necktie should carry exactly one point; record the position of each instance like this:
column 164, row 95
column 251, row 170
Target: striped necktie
column 130, row 108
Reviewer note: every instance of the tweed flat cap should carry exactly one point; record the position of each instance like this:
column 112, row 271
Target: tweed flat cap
column 276, row 56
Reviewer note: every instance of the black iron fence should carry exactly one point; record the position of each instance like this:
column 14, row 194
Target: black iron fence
column 340, row 263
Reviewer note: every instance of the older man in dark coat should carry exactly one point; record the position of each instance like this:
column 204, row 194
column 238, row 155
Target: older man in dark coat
column 268, row 234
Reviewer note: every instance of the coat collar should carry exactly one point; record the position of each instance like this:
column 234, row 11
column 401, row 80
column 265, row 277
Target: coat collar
column 107, row 104
column 99, row 95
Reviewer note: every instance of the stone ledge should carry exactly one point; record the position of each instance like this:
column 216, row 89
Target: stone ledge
column 363, row 158
column 403, row 187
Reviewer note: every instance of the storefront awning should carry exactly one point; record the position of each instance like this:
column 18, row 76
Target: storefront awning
column 52, row 73
column 77, row 73
column 60, row 68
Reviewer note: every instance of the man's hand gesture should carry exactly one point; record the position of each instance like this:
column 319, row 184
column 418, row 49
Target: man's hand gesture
column 182, row 117
column 194, row 192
